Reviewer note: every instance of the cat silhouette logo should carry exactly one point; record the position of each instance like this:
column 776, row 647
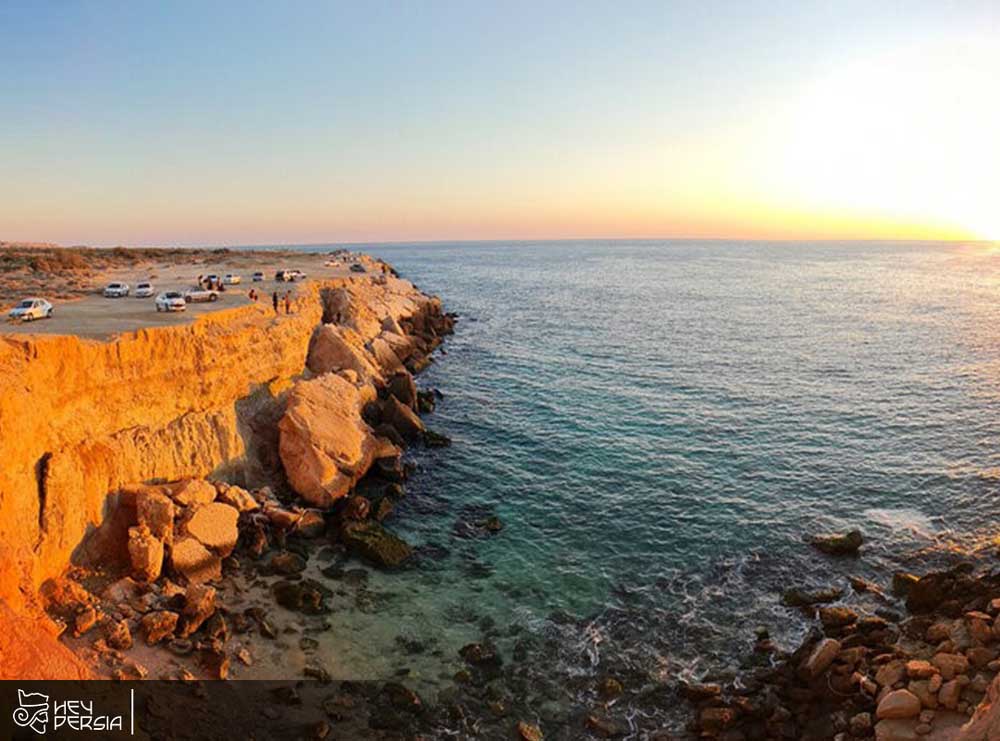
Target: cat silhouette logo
column 33, row 712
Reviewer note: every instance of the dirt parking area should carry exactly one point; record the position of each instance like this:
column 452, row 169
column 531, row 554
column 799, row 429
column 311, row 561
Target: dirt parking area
column 95, row 317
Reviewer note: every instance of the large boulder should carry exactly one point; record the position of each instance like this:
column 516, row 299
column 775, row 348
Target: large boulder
column 372, row 541
column 401, row 345
column 155, row 510
column 403, row 388
column 820, row 657
column 324, row 444
column 898, row 704
column 385, row 356
column 932, row 590
column 192, row 491
column 338, row 306
column 193, row 561
column 403, row 419
column 214, row 526
column 334, row 349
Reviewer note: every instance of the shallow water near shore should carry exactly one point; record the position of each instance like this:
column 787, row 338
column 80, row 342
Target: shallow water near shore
column 658, row 425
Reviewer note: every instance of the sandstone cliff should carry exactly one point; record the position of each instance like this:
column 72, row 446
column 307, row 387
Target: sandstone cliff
column 80, row 419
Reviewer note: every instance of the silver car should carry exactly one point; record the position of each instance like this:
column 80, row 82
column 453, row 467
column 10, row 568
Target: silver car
column 171, row 301
column 199, row 295
column 30, row 309
column 116, row 290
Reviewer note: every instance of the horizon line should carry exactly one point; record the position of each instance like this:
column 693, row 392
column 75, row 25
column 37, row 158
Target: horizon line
column 517, row 240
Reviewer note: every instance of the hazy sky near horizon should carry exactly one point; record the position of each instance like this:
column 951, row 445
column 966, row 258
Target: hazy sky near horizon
column 245, row 122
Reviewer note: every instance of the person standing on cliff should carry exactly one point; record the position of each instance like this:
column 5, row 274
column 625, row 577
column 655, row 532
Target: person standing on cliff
column 274, row 301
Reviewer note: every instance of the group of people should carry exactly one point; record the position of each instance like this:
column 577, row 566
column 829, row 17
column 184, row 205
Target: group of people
column 211, row 284
column 276, row 300
column 252, row 294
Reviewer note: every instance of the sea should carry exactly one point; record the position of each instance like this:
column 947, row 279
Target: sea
column 659, row 425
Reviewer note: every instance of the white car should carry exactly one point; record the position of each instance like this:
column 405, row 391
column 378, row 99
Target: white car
column 289, row 276
column 143, row 290
column 232, row 280
column 258, row 277
column 30, row 309
column 200, row 295
column 171, row 301
column 116, row 290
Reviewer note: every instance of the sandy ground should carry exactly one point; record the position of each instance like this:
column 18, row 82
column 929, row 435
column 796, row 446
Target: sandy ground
column 96, row 317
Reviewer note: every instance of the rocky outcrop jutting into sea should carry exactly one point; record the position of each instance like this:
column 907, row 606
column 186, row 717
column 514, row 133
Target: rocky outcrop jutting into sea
column 240, row 395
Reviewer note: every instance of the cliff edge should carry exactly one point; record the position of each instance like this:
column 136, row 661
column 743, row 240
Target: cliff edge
column 81, row 419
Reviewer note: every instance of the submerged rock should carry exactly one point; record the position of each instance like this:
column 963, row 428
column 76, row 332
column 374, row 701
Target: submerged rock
column 287, row 563
column 801, row 597
column 838, row 544
column 372, row 541
column 436, row 439
column 426, row 401
column 305, row 596
column 528, row 732
column 481, row 654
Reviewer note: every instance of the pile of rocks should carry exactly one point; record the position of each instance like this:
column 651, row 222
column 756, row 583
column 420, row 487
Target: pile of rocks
column 858, row 676
column 183, row 537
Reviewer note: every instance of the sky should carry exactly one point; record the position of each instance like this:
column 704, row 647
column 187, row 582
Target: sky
column 321, row 122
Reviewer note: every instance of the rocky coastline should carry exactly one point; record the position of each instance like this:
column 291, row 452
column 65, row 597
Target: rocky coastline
column 920, row 661
column 161, row 521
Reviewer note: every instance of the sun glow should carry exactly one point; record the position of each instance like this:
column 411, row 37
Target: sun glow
column 911, row 135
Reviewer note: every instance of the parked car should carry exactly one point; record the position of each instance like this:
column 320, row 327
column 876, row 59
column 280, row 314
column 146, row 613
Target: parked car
column 200, row 295
column 258, row 277
column 231, row 279
column 30, row 309
column 171, row 301
column 116, row 290
column 357, row 267
column 208, row 280
column 143, row 290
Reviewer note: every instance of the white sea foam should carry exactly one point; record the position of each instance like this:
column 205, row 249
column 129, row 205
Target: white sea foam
column 905, row 518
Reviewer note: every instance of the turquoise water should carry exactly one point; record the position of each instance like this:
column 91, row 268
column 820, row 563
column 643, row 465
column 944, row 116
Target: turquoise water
column 658, row 425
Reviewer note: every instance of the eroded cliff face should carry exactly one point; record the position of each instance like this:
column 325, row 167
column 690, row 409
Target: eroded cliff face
column 79, row 419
